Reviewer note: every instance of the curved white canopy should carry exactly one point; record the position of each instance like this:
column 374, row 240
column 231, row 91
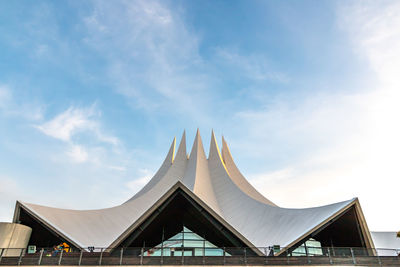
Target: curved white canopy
column 216, row 183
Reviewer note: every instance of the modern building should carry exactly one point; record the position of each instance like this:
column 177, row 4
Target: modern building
column 195, row 202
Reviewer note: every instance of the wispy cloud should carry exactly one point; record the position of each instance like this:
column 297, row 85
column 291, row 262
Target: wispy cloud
column 12, row 107
column 348, row 142
column 73, row 121
column 77, row 153
column 153, row 58
column 255, row 67
column 344, row 139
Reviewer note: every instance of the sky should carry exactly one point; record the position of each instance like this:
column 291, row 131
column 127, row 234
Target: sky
column 306, row 93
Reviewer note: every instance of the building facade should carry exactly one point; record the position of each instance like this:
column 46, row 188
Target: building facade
column 199, row 205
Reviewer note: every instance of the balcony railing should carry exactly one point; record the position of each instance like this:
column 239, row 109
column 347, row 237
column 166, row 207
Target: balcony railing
column 200, row 256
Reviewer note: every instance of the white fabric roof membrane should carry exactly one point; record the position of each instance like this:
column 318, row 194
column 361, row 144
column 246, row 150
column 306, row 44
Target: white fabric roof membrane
column 216, row 182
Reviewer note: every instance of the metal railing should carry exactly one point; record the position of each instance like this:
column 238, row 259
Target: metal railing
column 201, row 256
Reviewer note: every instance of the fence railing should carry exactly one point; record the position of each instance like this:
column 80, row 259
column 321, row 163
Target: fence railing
column 201, row 256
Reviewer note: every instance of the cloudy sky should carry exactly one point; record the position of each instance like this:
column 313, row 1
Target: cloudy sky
column 306, row 93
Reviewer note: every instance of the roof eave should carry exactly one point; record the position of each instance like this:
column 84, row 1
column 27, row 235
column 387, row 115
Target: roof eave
column 360, row 216
column 39, row 218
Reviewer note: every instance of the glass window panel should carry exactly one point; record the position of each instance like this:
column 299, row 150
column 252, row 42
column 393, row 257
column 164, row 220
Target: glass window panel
column 166, row 252
column 188, row 252
column 192, row 236
column 172, row 243
column 193, row 244
column 209, row 245
column 300, row 251
column 198, row 251
column 314, row 247
column 157, row 252
column 213, row 252
column 190, row 246
column 178, row 253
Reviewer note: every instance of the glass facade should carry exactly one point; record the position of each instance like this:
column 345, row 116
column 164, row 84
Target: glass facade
column 187, row 243
column 311, row 247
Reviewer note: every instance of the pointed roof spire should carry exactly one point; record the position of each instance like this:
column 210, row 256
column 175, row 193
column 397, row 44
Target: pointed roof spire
column 226, row 153
column 197, row 146
column 214, row 154
column 197, row 163
column 170, row 156
column 225, row 148
column 214, row 149
column 197, row 175
column 181, row 154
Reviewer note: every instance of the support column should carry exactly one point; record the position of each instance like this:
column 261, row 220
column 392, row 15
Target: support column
column 120, row 256
column 60, row 258
column 352, row 256
column 40, row 256
column 20, row 256
column 101, row 256
column 141, row 256
column 80, row 257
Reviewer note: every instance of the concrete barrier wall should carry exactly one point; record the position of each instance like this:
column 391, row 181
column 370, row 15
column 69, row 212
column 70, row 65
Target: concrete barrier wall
column 13, row 238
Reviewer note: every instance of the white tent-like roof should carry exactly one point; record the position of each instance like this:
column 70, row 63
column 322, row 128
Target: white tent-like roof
column 216, row 184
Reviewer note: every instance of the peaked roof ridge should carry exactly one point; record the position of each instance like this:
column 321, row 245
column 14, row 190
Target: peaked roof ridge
column 197, row 176
column 197, row 148
column 238, row 178
column 181, row 153
column 189, row 177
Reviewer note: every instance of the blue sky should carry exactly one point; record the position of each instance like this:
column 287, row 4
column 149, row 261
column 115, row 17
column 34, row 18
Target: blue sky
column 305, row 92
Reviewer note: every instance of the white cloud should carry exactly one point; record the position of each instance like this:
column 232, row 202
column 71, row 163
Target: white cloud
column 350, row 142
column 73, row 121
column 68, row 123
column 153, row 58
column 374, row 30
column 77, row 153
column 67, row 127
